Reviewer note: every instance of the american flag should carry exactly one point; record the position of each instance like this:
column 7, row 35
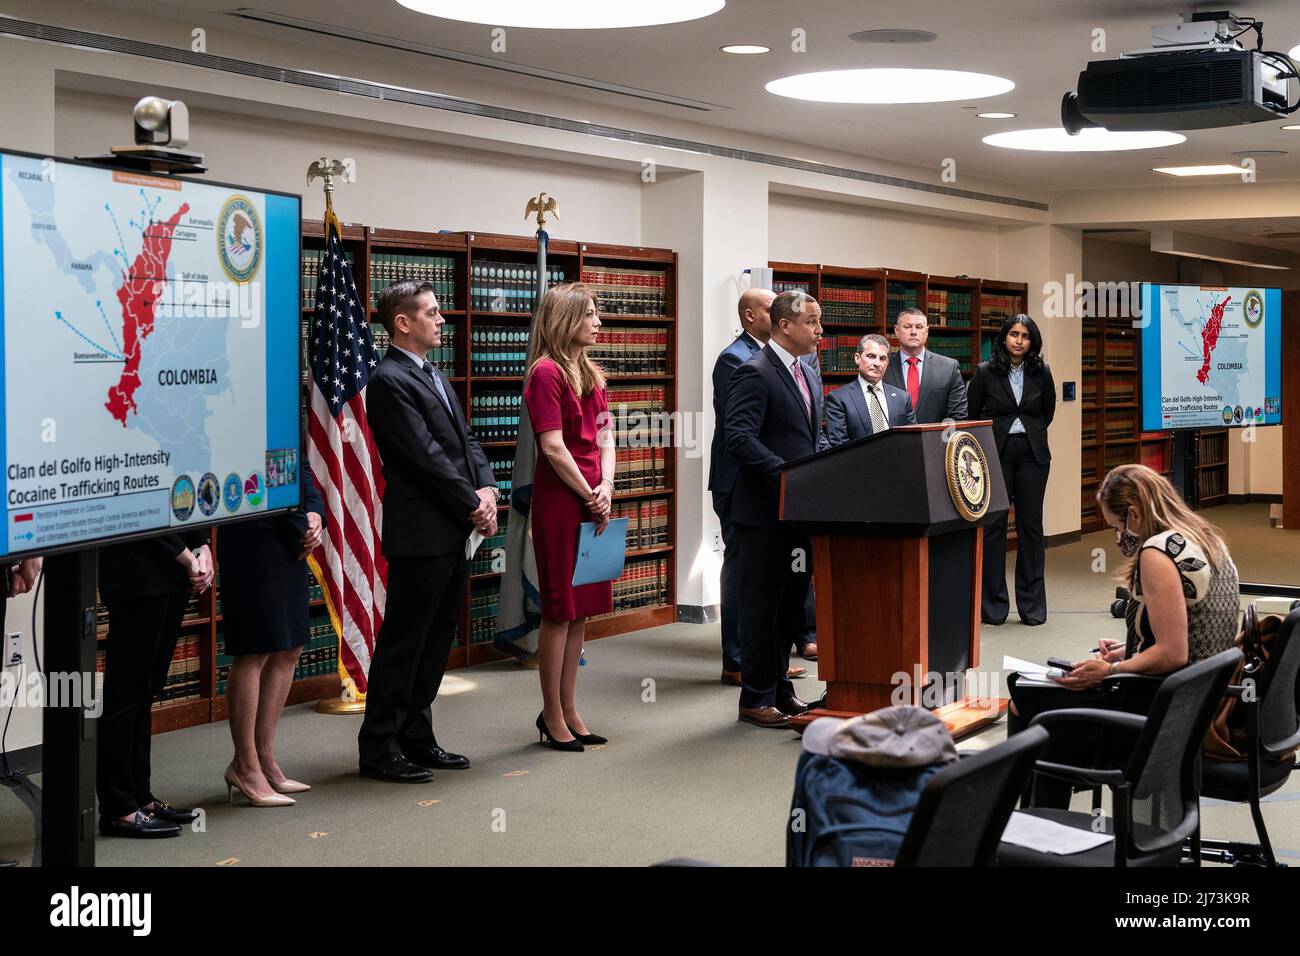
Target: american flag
column 341, row 449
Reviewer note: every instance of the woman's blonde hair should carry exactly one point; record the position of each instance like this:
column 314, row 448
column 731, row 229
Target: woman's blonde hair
column 554, row 332
column 1159, row 508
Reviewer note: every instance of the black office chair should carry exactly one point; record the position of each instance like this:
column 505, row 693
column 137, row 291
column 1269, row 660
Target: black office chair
column 1155, row 795
column 965, row 806
column 1272, row 735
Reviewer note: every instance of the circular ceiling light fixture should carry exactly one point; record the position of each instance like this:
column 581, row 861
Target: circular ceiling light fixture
column 996, row 115
column 1293, row 126
column 893, row 36
column 881, row 86
column 567, row 14
column 1093, row 140
column 745, row 49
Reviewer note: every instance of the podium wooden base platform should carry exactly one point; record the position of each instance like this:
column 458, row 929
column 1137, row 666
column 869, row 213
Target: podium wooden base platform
column 961, row 717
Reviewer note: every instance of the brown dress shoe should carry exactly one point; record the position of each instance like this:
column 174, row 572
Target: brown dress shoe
column 793, row 707
column 731, row 678
column 809, row 653
column 766, row 716
column 796, row 672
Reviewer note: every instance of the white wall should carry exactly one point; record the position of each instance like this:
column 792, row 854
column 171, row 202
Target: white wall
column 841, row 234
column 401, row 183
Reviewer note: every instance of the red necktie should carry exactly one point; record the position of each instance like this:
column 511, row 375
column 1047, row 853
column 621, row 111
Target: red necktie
column 913, row 381
column 803, row 388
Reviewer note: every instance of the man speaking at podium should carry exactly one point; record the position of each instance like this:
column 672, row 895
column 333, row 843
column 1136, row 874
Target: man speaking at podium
column 437, row 488
column 773, row 416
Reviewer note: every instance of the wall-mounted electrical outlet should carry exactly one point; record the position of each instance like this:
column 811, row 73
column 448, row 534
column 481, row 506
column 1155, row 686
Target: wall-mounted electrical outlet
column 717, row 541
column 13, row 648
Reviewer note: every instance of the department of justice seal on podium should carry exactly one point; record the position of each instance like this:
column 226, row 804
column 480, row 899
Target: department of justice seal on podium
column 968, row 476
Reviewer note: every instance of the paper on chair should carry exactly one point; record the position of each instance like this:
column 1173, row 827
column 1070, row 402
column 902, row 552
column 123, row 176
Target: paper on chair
column 1048, row 836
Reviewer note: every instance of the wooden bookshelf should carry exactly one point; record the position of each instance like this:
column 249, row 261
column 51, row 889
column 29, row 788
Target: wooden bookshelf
column 499, row 319
column 1211, row 470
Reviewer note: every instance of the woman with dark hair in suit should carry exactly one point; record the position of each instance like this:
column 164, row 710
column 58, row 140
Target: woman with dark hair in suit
column 1015, row 389
column 264, row 614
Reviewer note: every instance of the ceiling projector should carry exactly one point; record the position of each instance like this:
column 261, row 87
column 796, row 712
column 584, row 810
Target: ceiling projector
column 1196, row 75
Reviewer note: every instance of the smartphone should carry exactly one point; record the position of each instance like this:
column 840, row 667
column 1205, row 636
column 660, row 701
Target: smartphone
column 1060, row 662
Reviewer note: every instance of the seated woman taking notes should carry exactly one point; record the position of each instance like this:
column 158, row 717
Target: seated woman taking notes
column 1185, row 605
column 564, row 391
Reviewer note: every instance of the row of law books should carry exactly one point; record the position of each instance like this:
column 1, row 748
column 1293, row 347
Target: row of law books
column 782, row 285
column 503, row 470
column 900, row 297
column 624, row 291
column 498, row 351
column 954, row 347
column 1211, row 484
column 389, row 267
column 490, row 556
column 1120, row 392
column 953, row 308
column 835, row 353
column 494, row 416
column 1121, row 352
column 484, row 605
column 182, row 681
column 507, row 286
column 642, row 584
column 443, row 356
column 996, row 309
column 851, row 305
column 647, row 522
column 319, row 657
column 632, row 351
column 1212, row 449
column 310, row 272
column 636, row 398
column 640, row 469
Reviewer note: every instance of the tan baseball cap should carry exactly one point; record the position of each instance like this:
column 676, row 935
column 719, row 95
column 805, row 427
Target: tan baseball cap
column 902, row 736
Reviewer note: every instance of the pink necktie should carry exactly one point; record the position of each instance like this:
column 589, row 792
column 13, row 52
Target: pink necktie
column 913, row 381
column 803, row 388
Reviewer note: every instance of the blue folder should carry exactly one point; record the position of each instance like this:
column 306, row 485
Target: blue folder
column 600, row 556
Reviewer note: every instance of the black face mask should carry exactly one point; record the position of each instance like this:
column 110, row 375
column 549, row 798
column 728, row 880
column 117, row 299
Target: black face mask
column 1128, row 542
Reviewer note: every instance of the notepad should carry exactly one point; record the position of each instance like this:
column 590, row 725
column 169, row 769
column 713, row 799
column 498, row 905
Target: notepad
column 1048, row 836
column 600, row 556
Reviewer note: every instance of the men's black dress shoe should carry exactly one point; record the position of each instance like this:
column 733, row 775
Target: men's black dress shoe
column 792, row 707
column 435, row 758
column 1031, row 621
column 144, row 826
column 165, row 811
column 397, row 769
column 987, row 620
column 8, row 862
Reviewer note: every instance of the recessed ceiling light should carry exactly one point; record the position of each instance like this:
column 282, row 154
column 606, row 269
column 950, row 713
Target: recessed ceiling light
column 1293, row 126
column 894, row 36
column 890, row 86
column 1092, row 140
column 996, row 115
column 746, row 49
column 1221, row 169
column 566, row 14
column 1295, row 52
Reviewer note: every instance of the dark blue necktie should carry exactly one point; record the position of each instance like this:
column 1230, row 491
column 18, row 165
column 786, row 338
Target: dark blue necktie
column 437, row 383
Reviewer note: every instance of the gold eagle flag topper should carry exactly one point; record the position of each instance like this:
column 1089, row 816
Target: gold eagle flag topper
column 541, row 205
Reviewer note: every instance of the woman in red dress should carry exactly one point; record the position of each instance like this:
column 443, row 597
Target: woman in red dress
column 565, row 393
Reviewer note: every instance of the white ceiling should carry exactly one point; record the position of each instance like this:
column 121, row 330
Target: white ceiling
column 1039, row 44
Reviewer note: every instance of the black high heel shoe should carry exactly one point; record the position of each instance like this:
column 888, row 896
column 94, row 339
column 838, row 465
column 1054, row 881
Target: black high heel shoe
column 544, row 736
column 591, row 740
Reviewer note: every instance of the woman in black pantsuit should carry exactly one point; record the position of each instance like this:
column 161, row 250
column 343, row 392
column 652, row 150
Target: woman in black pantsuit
column 145, row 585
column 264, row 614
column 1015, row 389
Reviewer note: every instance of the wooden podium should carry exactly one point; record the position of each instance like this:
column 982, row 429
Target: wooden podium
column 896, row 567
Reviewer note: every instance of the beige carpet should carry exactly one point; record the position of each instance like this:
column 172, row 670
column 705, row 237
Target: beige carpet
column 680, row 777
